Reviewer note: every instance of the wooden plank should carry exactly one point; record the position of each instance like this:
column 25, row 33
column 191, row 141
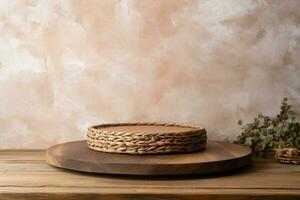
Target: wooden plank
column 18, row 156
column 245, row 180
column 27, row 167
column 68, row 196
column 144, row 194
column 25, row 175
column 117, row 190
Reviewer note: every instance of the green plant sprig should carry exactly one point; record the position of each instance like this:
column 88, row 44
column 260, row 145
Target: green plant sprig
column 266, row 133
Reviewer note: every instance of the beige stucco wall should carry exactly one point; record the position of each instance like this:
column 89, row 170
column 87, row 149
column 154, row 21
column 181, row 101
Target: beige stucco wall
column 65, row 65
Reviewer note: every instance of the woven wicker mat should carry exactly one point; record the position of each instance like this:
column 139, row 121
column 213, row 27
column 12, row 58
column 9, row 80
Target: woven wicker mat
column 100, row 138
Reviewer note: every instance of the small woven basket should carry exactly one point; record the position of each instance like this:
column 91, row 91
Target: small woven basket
column 288, row 155
column 137, row 139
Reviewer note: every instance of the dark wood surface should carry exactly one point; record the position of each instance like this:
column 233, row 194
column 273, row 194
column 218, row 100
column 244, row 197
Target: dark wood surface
column 217, row 157
column 26, row 175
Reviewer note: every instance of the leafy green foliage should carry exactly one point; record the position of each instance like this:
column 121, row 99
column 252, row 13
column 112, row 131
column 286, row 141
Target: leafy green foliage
column 266, row 133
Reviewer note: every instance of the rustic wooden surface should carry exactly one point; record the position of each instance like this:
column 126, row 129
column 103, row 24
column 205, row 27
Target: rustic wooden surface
column 217, row 157
column 26, row 175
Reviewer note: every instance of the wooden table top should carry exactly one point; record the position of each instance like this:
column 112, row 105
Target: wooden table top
column 26, row 175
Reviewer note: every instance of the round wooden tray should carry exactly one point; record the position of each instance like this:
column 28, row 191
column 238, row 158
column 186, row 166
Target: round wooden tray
column 217, row 157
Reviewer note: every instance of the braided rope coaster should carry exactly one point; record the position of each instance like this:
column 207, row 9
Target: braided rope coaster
column 288, row 155
column 146, row 138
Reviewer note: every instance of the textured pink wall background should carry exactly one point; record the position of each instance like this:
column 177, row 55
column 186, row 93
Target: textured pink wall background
column 65, row 65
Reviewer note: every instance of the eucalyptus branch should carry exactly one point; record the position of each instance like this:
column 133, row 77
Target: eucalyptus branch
column 265, row 133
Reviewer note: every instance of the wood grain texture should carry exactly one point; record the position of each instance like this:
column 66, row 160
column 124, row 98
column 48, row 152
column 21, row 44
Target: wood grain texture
column 25, row 175
column 217, row 157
